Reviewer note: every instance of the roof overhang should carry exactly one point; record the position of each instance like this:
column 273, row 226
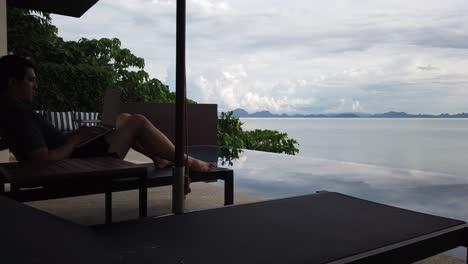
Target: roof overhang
column 74, row 8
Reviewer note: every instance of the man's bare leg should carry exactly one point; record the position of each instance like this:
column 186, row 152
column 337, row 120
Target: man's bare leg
column 136, row 129
column 159, row 162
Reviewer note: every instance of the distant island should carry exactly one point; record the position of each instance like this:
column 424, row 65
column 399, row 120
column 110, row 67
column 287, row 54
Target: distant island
column 242, row 113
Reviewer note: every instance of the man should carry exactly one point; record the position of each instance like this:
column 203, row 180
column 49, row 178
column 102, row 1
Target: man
column 32, row 138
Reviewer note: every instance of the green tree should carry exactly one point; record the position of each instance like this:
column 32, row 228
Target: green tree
column 73, row 75
column 231, row 134
column 270, row 141
column 31, row 34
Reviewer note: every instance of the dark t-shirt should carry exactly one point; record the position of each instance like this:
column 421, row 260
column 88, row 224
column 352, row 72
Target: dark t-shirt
column 24, row 131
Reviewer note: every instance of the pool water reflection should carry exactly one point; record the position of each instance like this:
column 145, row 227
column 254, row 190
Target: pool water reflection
column 270, row 175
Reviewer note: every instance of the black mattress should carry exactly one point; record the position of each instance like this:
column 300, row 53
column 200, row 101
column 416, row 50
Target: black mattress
column 317, row 228
column 28, row 235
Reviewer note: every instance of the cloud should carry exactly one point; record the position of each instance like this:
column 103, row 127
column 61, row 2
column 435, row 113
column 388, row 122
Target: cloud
column 209, row 6
column 428, row 68
column 356, row 106
column 295, row 57
column 229, row 88
column 345, row 105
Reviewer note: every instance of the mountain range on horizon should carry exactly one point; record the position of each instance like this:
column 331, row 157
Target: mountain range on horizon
column 239, row 112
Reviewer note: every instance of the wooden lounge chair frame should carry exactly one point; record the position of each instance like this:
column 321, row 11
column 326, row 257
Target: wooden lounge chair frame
column 135, row 177
column 202, row 124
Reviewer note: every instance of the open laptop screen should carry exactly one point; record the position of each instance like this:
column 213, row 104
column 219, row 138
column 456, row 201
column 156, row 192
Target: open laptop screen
column 110, row 110
column 111, row 107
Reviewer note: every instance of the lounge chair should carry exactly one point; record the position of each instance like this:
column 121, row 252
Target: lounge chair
column 33, row 187
column 71, row 177
column 77, row 177
column 320, row 228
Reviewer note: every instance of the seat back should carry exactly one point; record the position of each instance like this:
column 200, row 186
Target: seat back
column 202, row 120
column 110, row 107
column 63, row 121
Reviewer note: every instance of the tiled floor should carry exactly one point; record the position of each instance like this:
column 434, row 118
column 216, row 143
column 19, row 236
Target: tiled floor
column 89, row 210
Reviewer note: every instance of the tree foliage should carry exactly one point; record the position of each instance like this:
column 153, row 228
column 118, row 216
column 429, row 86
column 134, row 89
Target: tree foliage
column 231, row 134
column 270, row 141
column 73, row 75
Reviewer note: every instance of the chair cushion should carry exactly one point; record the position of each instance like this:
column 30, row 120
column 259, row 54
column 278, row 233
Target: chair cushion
column 63, row 121
column 80, row 116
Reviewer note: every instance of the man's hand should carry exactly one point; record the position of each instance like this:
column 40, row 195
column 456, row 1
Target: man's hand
column 84, row 133
column 64, row 151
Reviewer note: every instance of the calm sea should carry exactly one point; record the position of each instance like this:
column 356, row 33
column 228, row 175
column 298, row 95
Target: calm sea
column 438, row 145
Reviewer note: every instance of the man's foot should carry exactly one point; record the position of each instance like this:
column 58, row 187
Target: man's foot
column 200, row 166
column 162, row 163
column 195, row 166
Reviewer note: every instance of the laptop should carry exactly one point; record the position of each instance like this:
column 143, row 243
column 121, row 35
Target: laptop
column 110, row 110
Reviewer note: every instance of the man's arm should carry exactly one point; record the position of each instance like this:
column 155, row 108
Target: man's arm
column 59, row 153
column 26, row 138
column 64, row 151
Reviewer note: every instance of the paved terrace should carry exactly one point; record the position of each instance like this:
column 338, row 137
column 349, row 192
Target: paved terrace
column 89, row 210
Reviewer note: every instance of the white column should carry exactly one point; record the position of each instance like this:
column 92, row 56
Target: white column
column 3, row 28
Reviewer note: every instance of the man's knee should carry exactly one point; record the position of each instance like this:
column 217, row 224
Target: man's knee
column 123, row 115
column 136, row 121
column 140, row 119
column 122, row 119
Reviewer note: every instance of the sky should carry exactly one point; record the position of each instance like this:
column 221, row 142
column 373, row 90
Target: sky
column 299, row 56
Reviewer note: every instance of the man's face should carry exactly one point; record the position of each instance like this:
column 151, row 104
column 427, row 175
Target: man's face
column 25, row 89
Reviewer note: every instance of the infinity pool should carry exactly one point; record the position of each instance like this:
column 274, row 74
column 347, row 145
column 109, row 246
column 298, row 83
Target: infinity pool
column 268, row 175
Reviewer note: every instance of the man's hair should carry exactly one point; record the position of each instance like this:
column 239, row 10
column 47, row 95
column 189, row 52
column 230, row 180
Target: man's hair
column 13, row 66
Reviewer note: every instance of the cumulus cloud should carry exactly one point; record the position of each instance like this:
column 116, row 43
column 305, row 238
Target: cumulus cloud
column 231, row 89
column 428, row 68
column 356, row 106
column 210, row 6
column 346, row 105
column 295, row 57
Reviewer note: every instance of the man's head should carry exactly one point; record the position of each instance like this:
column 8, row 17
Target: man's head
column 17, row 78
